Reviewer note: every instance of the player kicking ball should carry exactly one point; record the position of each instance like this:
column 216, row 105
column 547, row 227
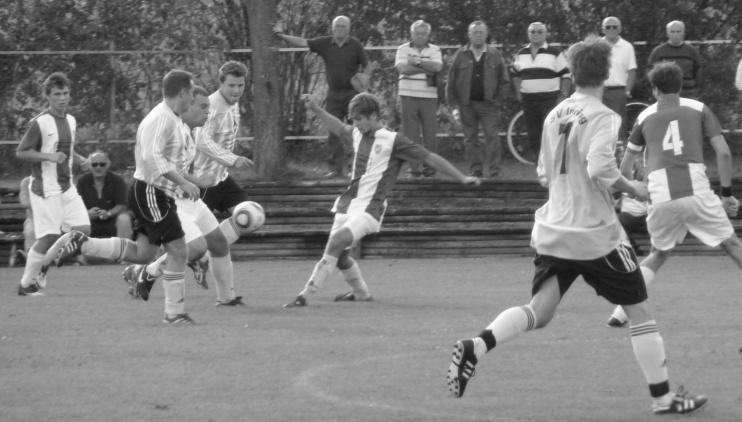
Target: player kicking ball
column 378, row 155
column 577, row 233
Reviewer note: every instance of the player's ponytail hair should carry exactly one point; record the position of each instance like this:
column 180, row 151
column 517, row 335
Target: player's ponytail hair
column 590, row 61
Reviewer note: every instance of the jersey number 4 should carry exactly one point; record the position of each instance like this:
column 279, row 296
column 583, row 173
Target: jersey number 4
column 672, row 141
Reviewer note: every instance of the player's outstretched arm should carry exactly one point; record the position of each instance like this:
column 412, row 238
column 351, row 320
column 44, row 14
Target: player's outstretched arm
column 724, row 165
column 333, row 124
column 441, row 164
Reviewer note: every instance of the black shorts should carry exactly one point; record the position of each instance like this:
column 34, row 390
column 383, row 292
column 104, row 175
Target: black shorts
column 155, row 212
column 225, row 195
column 616, row 276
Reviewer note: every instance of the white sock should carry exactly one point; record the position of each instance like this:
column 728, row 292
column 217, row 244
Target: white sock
column 354, row 278
column 34, row 262
column 649, row 351
column 109, row 248
column 648, row 275
column 230, row 230
column 174, row 285
column 51, row 253
column 157, row 267
column 511, row 322
column 223, row 272
column 322, row 269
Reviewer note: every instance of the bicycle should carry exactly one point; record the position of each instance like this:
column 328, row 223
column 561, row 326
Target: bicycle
column 517, row 133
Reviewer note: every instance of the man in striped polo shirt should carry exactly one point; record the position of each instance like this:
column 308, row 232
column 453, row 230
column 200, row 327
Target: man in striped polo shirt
column 378, row 157
column 163, row 152
column 540, row 76
column 418, row 62
column 49, row 144
column 576, row 233
column 670, row 134
column 683, row 54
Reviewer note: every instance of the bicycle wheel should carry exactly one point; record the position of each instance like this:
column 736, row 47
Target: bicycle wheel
column 518, row 138
column 633, row 109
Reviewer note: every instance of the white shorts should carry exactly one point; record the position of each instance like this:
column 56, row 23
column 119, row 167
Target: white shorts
column 58, row 213
column 195, row 218
column 703, row 215
column 360, row 224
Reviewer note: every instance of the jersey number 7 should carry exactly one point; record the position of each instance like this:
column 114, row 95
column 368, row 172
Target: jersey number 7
column 672, row 141
column 564, row 130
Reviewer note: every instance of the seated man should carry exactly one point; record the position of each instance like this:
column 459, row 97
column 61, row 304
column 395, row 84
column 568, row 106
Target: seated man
column 104, row 193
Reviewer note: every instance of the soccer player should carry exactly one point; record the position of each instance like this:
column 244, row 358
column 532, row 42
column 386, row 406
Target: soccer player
column 378, row 156
column 671, row 133
column 49, row 144
column 163, row 152
column 215, row 144
column 201, row 228
column 576, row 233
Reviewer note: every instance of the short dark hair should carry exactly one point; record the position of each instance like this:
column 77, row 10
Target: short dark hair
column 590, row 61
column 199, row 90
column 176, row 81
column 667, row 77
column 55, row 80
column 233, row 68
column 364, row 104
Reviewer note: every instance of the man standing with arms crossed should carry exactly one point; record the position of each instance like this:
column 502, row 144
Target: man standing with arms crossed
column 418, row 62
column 344, row 61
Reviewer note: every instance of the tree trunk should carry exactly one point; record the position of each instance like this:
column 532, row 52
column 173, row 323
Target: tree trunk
column 269, row 125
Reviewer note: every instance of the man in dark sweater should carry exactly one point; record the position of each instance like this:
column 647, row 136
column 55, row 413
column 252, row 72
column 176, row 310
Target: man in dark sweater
column 686, row 56
column 344, row 60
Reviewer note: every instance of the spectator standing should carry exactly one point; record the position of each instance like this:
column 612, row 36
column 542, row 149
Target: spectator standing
column 104, row 194
column 540, row 75
column 344, row 61
column 622, row 76
column 683, row 54
column 475, row 82
column 418, row 63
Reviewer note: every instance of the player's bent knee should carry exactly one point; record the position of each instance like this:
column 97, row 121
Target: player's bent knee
column 216, row 243
column 345, row 261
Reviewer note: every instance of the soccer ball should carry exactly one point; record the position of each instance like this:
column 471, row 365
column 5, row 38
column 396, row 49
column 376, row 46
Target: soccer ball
column 249, row 216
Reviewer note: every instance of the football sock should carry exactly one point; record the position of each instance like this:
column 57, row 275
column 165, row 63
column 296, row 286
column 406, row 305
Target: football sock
column 34, row 262
column 223, row 273
column 230, row 230
column 354, row 278
column 157, row 267
column 109, row 248
column 174, row 285
column 649, row 351
column 508, row 325
column 322, row 269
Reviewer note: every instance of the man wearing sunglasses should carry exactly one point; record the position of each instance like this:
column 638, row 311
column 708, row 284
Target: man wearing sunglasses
column 104, row 193
column 622, row 75
column 541, row 77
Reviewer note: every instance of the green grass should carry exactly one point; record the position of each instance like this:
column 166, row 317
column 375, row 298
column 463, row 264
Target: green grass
column 85, row 351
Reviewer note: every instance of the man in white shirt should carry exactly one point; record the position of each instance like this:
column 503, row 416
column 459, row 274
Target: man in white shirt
column 622, row 76
column 418, row 63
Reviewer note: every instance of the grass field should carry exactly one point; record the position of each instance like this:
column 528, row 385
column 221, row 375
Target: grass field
column 85, row 351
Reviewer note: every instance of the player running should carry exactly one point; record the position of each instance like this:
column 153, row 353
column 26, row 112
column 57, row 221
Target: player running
column 577, row 233
column 670, row 133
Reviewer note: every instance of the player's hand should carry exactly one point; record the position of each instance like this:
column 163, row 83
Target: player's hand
column 731, row 205
column 190, row 190
column 640, row 190
column 243, row 162
column 471, row 180
column 58, row 157
column 309, row 102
